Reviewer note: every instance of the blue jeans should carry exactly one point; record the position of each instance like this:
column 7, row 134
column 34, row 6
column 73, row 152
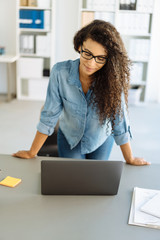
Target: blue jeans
column 101, row 153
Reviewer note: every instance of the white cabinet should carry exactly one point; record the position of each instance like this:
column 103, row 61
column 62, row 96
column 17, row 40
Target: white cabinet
column 134, row 20
column 36, row 48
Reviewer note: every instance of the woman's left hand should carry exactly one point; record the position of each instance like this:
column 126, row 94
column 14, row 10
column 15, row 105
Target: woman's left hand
column 138, row 161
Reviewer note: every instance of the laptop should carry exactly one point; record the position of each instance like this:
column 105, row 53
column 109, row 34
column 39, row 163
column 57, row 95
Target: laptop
column 80, row 177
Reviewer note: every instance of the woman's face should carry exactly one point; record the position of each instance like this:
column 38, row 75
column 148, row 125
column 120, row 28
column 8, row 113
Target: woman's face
column 88, row 49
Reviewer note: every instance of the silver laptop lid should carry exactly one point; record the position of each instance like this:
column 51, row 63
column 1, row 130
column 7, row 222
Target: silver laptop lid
column 80, row 177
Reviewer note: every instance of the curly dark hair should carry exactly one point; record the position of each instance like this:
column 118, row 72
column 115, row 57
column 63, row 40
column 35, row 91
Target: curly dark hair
column 112, row 79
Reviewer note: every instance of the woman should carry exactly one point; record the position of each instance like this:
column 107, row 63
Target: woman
column 89, row 97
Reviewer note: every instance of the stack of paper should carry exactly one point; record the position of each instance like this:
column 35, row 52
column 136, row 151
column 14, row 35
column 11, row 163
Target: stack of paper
column 136, row 72
column 145, row 6
column 133, row 23
column 106, row 16
column 139, row 49
column 145, row 208
column 108, row 5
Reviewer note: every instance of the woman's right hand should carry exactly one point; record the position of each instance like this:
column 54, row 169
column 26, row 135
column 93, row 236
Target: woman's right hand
column 38, row 141
column 23, row 154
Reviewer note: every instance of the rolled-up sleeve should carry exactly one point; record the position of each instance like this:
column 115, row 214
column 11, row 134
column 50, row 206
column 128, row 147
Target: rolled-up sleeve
column 52, row 107
column 122, row 131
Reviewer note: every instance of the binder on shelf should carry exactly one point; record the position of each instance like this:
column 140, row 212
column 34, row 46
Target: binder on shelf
column 109, row 5
column 24, row 21
column 31, row 44
column 21, row 44
column 36, row 19
column 27, row 44
column 106, row 16
column 43, row 45
column 31, row 18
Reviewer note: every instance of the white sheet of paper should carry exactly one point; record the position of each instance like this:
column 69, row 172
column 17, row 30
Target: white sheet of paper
column 152, row 207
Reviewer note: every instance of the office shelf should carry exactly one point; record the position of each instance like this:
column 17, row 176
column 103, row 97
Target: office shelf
column 135, row 27
column 36, row 53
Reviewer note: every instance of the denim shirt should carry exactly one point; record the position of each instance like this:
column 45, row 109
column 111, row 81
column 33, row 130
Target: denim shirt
column 78, row 120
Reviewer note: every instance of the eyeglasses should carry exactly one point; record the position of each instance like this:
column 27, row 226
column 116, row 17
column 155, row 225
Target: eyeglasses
column 89, row 56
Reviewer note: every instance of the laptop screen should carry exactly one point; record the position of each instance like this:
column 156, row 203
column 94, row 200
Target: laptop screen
column 80, row 177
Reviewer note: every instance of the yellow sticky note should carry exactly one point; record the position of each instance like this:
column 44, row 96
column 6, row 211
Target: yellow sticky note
column 10, row 181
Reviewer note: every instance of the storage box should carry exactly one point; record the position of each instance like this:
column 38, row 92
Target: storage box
column 32, row 3
column 37, row 88
column 134, row 96
column 31, row 67
column 23, row 2
column 44, row 3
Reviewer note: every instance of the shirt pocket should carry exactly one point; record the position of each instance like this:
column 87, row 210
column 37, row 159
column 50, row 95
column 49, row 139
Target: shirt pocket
column 70, row 107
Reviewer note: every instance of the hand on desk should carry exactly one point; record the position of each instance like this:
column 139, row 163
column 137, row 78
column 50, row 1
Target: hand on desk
column 138, row 161
column 38, row 141
column 130, row 159
column 23, row 154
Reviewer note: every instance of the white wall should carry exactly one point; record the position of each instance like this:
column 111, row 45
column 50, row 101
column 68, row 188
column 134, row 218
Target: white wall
column 8, row 25
column 7, row 37
column 66, row 25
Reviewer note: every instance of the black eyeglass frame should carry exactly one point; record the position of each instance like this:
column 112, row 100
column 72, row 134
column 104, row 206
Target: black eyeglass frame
column 92, row 56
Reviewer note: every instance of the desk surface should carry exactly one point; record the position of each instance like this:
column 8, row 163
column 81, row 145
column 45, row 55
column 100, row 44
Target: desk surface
column 26, row 214
column 8, row 58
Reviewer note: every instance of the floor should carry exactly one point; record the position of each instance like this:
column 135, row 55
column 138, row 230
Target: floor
column 18, row 120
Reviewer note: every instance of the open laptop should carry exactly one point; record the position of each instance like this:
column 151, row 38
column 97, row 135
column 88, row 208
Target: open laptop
column 80, row 177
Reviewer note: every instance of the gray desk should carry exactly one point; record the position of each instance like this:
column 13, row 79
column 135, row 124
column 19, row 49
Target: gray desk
column 26, row 214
